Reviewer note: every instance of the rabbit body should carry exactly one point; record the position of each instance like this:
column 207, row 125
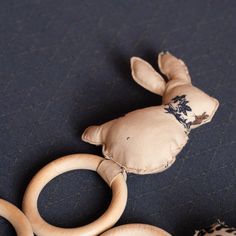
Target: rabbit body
column 146, row 140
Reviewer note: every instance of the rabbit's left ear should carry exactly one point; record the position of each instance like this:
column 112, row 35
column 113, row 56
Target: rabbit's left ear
column 145, row 75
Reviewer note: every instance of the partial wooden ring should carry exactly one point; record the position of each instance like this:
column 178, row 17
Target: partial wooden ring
column 137, row 230
column 16, row 218
column 60, row 166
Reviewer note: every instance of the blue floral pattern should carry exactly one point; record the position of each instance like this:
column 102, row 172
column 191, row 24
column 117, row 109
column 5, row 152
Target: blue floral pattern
column 179, row 108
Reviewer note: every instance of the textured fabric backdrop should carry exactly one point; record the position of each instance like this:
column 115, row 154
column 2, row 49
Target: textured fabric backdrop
column 65, row 65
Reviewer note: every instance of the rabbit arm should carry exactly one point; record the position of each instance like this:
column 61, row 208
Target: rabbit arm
column 92, row 135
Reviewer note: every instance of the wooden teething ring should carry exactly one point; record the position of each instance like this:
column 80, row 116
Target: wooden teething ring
column 16, row 218
column 136, row 229
column 60, row 166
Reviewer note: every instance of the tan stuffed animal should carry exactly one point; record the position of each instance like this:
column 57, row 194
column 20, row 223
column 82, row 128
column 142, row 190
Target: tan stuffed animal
column 147, row 140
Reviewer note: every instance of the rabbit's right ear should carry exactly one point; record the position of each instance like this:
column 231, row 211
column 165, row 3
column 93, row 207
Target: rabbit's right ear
column 145, row 75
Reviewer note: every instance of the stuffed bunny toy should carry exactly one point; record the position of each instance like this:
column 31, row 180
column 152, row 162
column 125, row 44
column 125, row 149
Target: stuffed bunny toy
column 147, row 140
column 217, row 229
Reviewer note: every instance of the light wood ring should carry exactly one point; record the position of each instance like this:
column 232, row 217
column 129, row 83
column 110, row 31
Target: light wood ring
column 60, row 166
column 137, row 230
column 16, row 218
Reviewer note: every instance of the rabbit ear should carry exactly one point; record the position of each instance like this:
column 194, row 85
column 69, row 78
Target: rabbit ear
column 173, row 67
column 144, row 74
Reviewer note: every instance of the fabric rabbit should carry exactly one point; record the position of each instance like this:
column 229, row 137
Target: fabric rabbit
column 147, row 140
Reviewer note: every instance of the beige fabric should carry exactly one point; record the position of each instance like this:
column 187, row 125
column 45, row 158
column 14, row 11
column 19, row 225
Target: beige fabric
column 16, row 218
column 142, row 70
column 109, row 170
column 60, row 166
column 147, row 140
column 136, row 230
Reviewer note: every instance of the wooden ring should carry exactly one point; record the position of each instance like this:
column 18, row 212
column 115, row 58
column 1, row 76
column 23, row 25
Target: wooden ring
column 16, row 218
column 137, row 230
column 60, row 166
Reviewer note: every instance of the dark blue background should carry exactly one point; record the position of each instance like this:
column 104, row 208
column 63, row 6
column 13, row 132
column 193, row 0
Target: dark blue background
column 64, row 65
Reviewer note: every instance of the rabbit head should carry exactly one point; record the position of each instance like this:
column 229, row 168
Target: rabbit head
column 190, row 105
